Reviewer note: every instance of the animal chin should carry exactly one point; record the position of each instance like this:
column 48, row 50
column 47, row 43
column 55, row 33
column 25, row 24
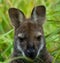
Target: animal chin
column 32, row 56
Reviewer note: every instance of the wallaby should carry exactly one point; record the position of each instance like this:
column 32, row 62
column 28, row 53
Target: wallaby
column 29, row 38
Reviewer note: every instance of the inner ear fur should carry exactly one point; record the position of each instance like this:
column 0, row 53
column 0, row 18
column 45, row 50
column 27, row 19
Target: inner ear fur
column 38, row 14
column 16, row 16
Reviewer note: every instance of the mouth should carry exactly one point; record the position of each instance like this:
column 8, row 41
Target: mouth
column 32, row 56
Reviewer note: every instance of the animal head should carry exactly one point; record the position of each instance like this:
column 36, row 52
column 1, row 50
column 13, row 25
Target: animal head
column 29, row 36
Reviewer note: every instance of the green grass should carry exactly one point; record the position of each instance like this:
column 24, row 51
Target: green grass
column 51, row 26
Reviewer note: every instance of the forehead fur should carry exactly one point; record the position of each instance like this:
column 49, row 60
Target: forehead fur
column 28, row 27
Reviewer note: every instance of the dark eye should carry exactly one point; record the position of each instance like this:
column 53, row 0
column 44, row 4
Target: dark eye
column 21, row 39
column 39, row 38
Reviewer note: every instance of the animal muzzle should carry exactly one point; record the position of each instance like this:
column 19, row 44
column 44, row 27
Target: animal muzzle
column 31, row 53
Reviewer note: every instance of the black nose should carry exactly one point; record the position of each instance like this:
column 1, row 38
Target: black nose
column 31, row 53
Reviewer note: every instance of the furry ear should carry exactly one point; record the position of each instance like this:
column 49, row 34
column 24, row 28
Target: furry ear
column 16, row 16
column 38, row 14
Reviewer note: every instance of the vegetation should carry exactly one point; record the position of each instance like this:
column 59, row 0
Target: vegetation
column 51, row 26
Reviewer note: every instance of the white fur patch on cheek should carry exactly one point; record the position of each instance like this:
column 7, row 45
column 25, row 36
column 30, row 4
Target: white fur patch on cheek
column 41, row 47
column 19, row 48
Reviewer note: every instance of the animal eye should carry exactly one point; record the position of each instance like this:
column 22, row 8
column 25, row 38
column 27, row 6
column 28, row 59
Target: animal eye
column 39, row 38
column 21, row 39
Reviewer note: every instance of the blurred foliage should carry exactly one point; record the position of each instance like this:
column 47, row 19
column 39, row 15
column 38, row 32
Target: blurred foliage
column 51, row 26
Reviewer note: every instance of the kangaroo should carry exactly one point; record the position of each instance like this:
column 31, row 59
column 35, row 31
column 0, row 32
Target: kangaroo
column 29, row 40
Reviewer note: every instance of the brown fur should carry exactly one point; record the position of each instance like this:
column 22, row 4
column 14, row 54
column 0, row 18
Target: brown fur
column 29, row 28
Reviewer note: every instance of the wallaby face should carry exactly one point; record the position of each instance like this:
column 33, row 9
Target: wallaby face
column 29, row 38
